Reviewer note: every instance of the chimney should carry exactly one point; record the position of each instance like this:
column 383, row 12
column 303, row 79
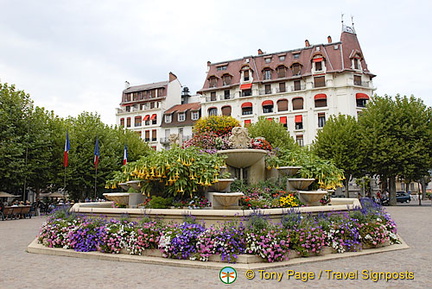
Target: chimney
column 208, row 63
column 127, row 84
column 329, row 39
column 172, row 77
column 260, row 52
column 307, row 44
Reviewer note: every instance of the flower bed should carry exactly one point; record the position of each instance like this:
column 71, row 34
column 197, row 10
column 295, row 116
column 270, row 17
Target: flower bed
column 306, row 235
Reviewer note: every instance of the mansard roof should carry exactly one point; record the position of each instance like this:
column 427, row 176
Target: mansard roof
column 335, row 54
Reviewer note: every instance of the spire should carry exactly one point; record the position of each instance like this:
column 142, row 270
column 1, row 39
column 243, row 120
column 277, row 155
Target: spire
column 346, row 28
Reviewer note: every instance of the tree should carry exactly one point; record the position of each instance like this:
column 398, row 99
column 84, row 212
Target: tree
column 395, row 139
column 339, row 141
column 82, row 179
column 273, row 132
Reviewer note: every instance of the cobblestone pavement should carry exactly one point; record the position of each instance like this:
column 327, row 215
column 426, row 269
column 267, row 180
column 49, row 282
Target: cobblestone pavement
column 19, row 269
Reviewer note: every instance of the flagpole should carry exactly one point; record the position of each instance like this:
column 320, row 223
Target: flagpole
column 95, row 184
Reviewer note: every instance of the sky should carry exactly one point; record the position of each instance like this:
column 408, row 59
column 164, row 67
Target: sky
column 75, row 56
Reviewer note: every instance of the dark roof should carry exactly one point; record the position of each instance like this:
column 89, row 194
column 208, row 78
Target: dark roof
column 184, row 107
column 162, row 84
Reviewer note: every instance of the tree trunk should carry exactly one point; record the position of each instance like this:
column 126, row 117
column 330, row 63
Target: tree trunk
column 392, row 191
column 346, row 184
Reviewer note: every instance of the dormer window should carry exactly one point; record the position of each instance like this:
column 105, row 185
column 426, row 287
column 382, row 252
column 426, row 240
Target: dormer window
column 296, row 68
column 356, row 63
column 318, row 63
column 212, row 81
column 168, row 118
column 267, row 60
column 181, row 116
column 222, row 67
column 226, row 79
column 281, row 71
column 267, row 74
column 246, row 75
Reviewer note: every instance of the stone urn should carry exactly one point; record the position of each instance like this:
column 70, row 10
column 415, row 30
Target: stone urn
column 311, row 198
column 134, row 184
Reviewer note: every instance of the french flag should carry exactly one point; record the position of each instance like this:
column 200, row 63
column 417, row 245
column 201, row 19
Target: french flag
column 96, row 154
column 125, row 155
column 66, row 151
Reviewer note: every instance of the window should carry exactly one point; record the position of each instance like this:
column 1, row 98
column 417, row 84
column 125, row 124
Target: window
column 296, row 55
column 154, row 135
column 296, row 69
column 128, row 108
column 153, row 93
column 226, row 79
column 154, row 119
column 282, row 87
column 147, row 135
column 321, row 119
column 282, row 105
column 181, row 116
column 223, row 67
column 267, row 60
column 213, row 81
column 299, row 140
column 246, row 108
column 298, row 119
column 152, row 105
column 320, row 100
column 267, row 74
column 168, row 118
column 356, row 63
column 361, row 99
column 281, row 71
column 122, row 122
column 226, row 110
column 267, row 89
column 297, row 103
column 357, row 80
column 297, row 85
column 281, row 57
column 318, row 63
column 128, row 122
column 247, row 92
column 283, row 120
column 195, row 115
column 227, row 94
column 267, row 106
column 212, row 111
column 319, row 81
column 213, row 96
column 137, row 121
column 246, row 75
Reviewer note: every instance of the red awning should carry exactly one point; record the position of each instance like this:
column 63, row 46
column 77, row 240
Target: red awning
column 147, row 117
column 246, row 104
column 283, row 119
column 318, row 59
column 270, row 119
column 361, row 96
column 320, row 96
column 246, row 86
column 153, row 117
column 298, row 118
column 267, row 102
column 247, row 122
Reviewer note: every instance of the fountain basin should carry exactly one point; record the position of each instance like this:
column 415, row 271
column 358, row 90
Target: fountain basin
column 288, row 171
column 242, row 158
column 129, row 199
column 221, row 186
column 299, row 183
column 226, row 200
column 311, row 198
column 134, row 184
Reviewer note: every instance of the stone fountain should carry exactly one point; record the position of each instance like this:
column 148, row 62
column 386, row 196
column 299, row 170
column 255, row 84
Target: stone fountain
column 127, row 198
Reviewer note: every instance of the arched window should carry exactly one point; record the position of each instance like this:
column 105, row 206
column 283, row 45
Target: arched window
column 282, row 104
column 212, row 111
column 246, row 108
column 361, row 99
column 296, row 68
column 226, row 79
column 267, row 106
column 213, row 81
column 226, row 110
column 267, row 74
column 320, row 100
column 297, row 103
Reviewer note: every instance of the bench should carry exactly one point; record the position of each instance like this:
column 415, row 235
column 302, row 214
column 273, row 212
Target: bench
column 16, row 212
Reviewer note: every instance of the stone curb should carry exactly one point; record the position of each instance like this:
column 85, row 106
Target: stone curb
column 36, row 248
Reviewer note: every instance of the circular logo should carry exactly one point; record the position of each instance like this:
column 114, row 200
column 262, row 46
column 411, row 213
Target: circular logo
column 228, row 275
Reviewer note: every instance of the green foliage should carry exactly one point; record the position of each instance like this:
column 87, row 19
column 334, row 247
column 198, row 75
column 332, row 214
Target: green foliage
column 339, row 141
column 275, row 133
column 158, row 202
column 176, row 172
column 396, row 137
column 220, row 125
column 326, row 174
